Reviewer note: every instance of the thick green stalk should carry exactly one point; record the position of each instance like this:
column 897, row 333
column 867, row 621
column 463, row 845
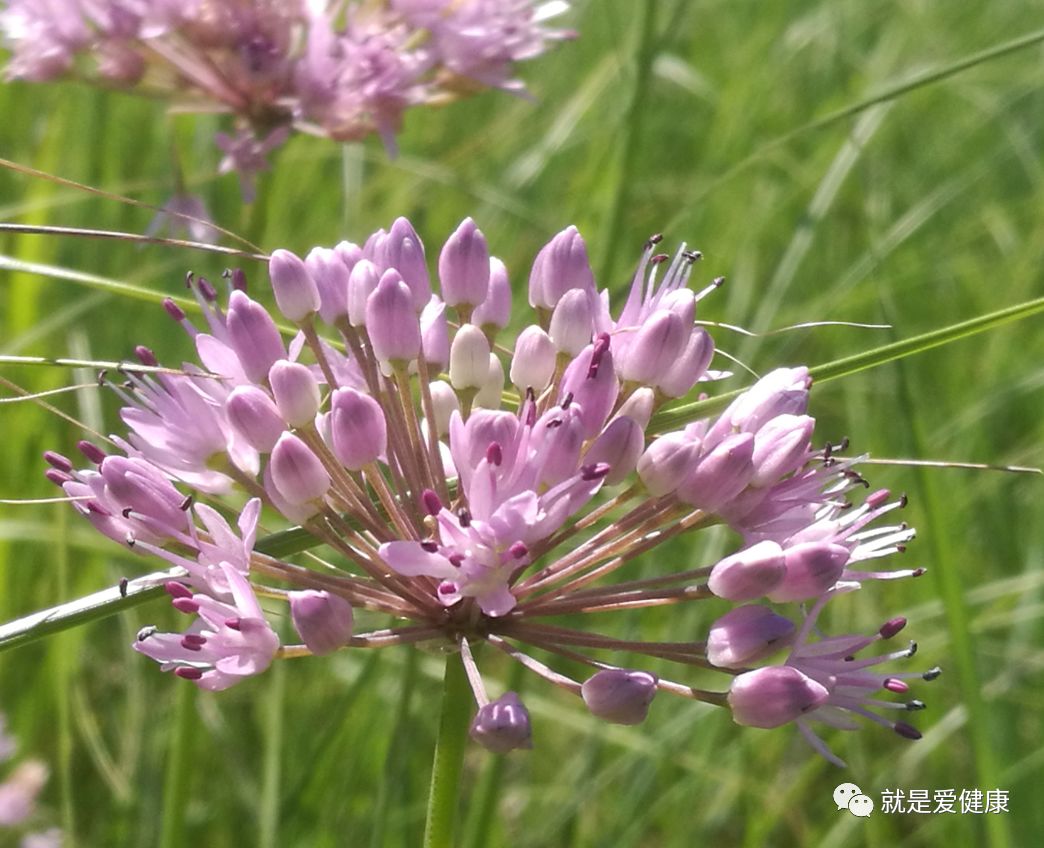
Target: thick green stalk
column 444, row 799
column 179, row 766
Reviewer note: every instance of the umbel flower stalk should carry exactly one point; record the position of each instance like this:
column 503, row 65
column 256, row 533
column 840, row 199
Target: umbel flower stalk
column 339, row 68
column 461, row 490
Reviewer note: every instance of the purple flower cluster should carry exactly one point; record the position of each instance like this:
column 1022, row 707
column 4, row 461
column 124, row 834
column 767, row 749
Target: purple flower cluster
column 478, row 492
column 18, row 795
column 343, row 70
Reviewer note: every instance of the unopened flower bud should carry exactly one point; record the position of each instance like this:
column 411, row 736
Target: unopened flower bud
column 331, row 273
column 469, row 358
column 561, row 265
column 655, row 348
column 297, row 472
column 488, row 397
column 502, row 725
column 780, row 447
column 690, row 365
column 296, row 293
column 591, row 380
column 349, row 253
column 533, row 364
column 780, row 392
column 253, row 336
column 255, row 417
column 772, row 696
column 138, row 485
column 667, row 461
column 444, row 403
column 572, row 322
column 362, row 281
column 391, row 320
column 358, row 431
column 619, row 445
column 750, row 573
column 296, row 392
column 745, row 635
column 619, row 696
column 811, row 569
column 403, row 251
column 639, row 406
column 323, row 620
column 495, row 311
column 435, row 333
column 464, row 266
column 721, row 474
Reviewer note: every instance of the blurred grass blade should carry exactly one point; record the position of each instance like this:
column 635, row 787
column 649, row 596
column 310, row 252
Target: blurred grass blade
column 679, row 415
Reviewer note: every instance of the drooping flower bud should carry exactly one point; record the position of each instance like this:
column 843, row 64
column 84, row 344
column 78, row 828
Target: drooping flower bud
column 255, row 417
column 561, row 265
column 469, row 358
column 619, row 696
column 533, row 364
column 655, row 348
column 495, row 311
column 403, row 250
column 750, row 573
column 323, row 620
column 502, row 725
column 811, row 569
column 745, row 635
column 464, row 266
column 330, row 272
column 772, row 696
column 297, row 472
column 362, row 281
column 296, row 293
column 572, row 322
column 358, row 431
column 721, row 474
column 391, row 320
column 667, row 461
column 780, row 392
column 253, row 336
column 296, row 392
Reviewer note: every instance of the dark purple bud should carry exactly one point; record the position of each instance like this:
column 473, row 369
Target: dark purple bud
column 173, row 310
column 56, row 460
column 238, row 279
column 91, row 451
column 906, row 731
column 502, row 725
column 431, row 502
column 619, row 696
column 891, row 627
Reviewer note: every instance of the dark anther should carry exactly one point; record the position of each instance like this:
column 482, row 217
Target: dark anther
column 931, row 673
column 692, row 256
column 912, row 649
column 186, row 504
column 126, row 512
column 124, row 582
column 653, row 240
column 429, row 546
column 915, row 705
column 189, row 277
column 568, row 399
column 145, row 633
column 718, row 282
column 658, row 258
column 464, row 516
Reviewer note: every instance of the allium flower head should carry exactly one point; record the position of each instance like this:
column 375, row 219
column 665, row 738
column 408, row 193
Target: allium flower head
column 466, row 511
column 342, row 70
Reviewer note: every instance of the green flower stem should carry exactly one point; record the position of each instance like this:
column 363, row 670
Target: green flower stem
column 439, row 832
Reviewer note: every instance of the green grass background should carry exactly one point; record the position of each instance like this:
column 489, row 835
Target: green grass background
column 680, row 117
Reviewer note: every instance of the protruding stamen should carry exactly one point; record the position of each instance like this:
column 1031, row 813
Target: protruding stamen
column 907, row 731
